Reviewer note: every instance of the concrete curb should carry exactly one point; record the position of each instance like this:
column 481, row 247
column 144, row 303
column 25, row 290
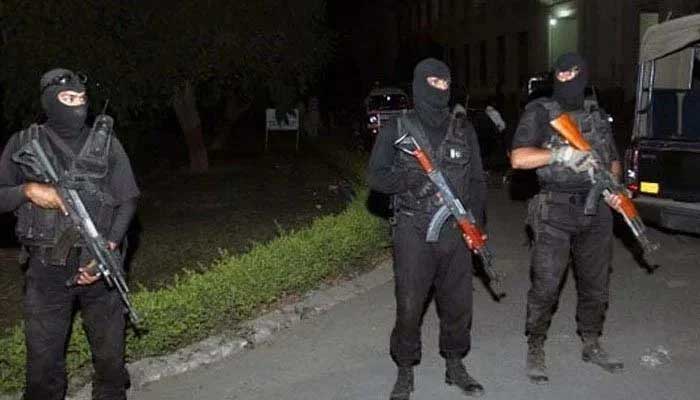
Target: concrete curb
column 258, row 331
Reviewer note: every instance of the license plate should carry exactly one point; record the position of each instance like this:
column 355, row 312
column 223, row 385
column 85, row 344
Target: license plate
column 649, row 187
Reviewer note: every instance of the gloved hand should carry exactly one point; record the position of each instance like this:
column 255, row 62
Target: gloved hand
column 578, row 161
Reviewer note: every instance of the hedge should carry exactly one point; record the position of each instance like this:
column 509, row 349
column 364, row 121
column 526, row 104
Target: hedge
column 199, row 304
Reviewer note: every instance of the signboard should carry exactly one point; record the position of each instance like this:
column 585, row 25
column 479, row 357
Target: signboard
column 290, row 124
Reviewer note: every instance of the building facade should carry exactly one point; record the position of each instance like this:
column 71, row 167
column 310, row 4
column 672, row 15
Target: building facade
column 493, row 46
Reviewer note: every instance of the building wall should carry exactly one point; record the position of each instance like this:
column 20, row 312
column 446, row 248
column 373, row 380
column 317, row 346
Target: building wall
column 607, row 35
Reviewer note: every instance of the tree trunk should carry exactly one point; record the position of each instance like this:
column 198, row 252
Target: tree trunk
column 185, row 105
column 233, row 110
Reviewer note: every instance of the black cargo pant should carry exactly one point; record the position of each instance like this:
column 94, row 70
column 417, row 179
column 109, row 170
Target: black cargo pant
column 561, row 230
column 49, row 308
column 419, row 267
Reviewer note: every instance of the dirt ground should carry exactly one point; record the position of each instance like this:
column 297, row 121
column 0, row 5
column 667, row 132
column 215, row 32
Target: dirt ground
column 184, row 220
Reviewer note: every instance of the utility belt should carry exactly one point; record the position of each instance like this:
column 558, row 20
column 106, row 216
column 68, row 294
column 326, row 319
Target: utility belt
column 420, row 209
column 573, row 198
column 48, row 256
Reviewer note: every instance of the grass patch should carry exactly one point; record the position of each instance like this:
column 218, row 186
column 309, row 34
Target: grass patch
column 197, row 305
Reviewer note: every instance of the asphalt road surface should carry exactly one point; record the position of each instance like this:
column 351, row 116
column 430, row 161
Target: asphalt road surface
column 343, row 354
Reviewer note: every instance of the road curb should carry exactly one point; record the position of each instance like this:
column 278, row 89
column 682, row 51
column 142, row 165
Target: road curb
column 258, row 331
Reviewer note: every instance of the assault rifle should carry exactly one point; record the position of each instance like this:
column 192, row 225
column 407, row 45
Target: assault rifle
column 105, row 262
column 604, row 183
column 452, row 206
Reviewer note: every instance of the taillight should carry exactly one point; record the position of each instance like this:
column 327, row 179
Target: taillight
column 373, row 122
column 632, row 173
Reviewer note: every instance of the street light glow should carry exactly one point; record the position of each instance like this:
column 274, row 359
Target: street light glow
column 566, row 12
column 552, row 21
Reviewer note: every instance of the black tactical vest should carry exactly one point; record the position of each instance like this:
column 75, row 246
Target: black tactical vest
column 86, row 172
column 594, row 126
column 452, row 157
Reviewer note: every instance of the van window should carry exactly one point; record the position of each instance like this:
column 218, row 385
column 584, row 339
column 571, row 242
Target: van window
column 543, row 88
column 387, row 102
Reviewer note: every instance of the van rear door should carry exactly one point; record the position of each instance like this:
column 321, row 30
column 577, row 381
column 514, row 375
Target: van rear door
column 668, row 169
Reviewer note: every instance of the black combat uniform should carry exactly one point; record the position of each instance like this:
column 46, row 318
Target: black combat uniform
column 445, row 266
column 102, row 175
column 556, row 215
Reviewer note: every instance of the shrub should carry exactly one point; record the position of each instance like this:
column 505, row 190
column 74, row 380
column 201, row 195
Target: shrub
column 198, row 304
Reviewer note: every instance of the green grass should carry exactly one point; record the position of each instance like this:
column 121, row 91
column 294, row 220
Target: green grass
column 232, row 289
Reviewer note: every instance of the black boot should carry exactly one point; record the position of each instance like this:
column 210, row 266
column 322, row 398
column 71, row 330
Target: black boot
column 594, row 353
column 404, row 384
column 456, row 374
column 536, row 367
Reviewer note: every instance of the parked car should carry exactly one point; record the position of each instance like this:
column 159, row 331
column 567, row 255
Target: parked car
column 381, row 104
column 540, row 85
column 663, row 159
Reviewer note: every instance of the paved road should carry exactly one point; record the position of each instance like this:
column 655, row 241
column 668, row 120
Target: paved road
column 343, row 354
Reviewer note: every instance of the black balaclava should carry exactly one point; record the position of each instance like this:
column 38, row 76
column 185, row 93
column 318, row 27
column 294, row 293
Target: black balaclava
column 431, row 103
column 65, row 120
column 570, row 94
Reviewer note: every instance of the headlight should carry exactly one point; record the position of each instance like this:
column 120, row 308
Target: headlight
column 373, row 119
column 610, row 119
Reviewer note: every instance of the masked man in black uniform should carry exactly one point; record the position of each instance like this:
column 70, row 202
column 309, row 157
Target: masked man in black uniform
column 556, row 215
column 419, row 267
column 101, row 173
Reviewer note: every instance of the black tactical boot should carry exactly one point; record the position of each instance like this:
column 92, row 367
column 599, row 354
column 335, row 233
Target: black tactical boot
column 536, row 367
column 404, row 384
column 593, row 353
column 456, row 374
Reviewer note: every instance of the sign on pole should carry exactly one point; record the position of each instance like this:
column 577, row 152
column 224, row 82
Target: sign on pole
column 290, row 124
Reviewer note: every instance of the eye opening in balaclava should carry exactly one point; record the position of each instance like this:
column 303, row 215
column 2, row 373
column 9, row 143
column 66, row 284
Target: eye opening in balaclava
column 570, row 78
column 438, row 83
column 67, row 121
column 431, row 103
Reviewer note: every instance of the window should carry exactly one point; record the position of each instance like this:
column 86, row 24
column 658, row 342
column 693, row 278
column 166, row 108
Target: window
column 387, row 102
column 479, row 7
column 435, row 11
column 501, row 59
column 467, row 65
column 523, row 58
column 483, row 76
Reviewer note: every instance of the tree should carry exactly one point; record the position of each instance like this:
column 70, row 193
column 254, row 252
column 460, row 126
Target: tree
column 153, row 54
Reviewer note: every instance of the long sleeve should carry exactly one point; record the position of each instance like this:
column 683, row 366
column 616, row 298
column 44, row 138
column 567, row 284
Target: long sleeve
column 122, row 218
column 11, row 196
column 125, row 191
column 382, row 175
column 477, row 182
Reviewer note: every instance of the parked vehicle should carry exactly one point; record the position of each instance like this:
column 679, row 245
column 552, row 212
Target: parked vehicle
column 663, row 160
column 540, row 85
column 381, row 104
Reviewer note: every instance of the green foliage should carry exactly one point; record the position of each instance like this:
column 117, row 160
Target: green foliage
column 197, row 305
column 141, row 51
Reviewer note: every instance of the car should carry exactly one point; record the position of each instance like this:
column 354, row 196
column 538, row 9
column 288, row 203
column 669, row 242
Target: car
column 663, row 157
column 540, row 85
column 382, row 104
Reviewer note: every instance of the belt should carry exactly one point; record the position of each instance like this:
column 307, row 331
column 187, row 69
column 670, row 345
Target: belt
column 563, row 197
column 44, row 254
